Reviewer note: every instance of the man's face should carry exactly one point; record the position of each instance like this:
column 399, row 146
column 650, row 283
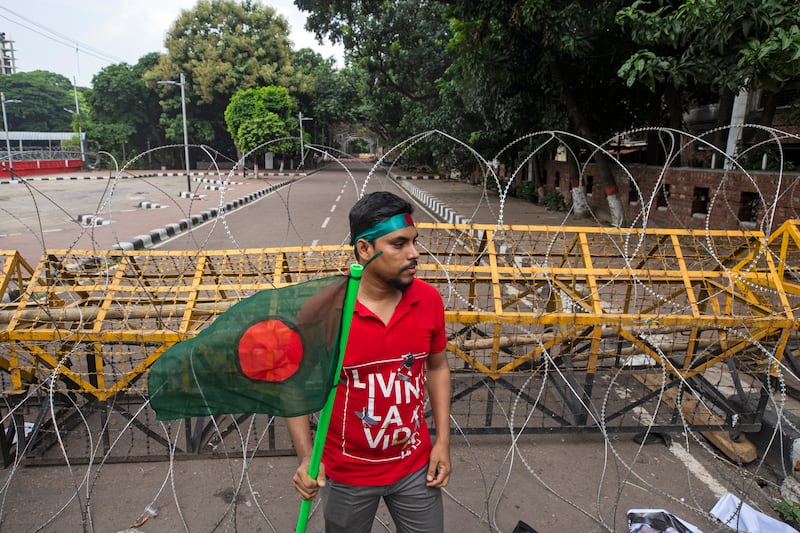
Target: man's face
column 397, row 265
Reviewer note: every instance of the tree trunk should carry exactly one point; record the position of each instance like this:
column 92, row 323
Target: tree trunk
column 583, row 129
column 770, row 106
column 654, row 155
column 720, row 137
column 770, row 102
column 672, row 99
column 615, row 210
column 580, row 205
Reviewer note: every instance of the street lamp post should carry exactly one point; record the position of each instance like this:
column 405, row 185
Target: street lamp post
column 182, row 83
column 78, row 112
column 80, row 132
column 5, row 127
column 300, row 119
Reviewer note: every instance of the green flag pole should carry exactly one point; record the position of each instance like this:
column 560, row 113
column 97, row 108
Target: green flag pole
column 350, row 295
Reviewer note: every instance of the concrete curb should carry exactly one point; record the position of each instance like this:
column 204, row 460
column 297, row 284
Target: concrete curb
column 445, row 213
column 196, row 176
column 441, row 210
column 417, row 177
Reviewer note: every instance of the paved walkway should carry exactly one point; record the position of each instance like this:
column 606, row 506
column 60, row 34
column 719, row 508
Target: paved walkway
column 460, row 202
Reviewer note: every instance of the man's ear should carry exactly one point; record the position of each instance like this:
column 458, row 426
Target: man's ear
column 364, row 250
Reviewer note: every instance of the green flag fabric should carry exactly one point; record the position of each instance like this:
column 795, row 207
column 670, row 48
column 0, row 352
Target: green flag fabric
column 274, row 352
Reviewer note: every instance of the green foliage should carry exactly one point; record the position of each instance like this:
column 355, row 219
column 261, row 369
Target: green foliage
column 646, row 67
column 480, row 70
column 309, row 71
column 397, row 55
column 338, row 97
column 768, row 156
column 788, row 511
column 255, row 133
column 527, row 191
column 44, row 96
column 255, row 116
column 113, row 135
column 753, row 43
column 554, row 201
column 123, row 110
column 529, row 65
column 221, row 47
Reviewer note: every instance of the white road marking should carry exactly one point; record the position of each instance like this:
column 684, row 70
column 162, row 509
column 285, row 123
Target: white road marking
column 693, row 465
column 698, row 470
column 325, row 222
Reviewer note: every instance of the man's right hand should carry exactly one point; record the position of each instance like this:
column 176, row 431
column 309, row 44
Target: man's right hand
column 304, row 484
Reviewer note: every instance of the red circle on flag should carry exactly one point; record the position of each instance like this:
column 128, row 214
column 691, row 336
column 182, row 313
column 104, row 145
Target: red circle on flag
column 270, row 351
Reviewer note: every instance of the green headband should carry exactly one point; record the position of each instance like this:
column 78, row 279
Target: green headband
column 387, row 225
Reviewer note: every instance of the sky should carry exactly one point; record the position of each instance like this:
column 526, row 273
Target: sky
column 47, row 33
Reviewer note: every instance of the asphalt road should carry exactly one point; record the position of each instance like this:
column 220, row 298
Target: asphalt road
column 312, row 211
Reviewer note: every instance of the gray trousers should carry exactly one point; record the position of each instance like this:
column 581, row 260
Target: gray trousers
column 414, row 507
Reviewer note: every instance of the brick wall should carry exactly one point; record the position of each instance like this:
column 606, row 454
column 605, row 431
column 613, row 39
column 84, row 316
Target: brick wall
column 684, row 206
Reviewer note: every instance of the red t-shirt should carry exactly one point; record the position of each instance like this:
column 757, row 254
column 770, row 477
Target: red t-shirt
column 378, row 433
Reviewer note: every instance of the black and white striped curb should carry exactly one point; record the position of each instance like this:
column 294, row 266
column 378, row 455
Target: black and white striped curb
column 442, row 211
column 93, row 220
column 220, row 177
column 446, row 214
column 418, row 177
column 69, row 178
column 151, row 205
column 141, row 242
column 226, row 183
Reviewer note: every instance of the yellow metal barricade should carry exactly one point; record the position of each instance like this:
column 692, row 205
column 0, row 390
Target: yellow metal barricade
column 520, row 301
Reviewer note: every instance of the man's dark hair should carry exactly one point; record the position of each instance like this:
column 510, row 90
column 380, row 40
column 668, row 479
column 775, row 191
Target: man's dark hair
column 374, row 207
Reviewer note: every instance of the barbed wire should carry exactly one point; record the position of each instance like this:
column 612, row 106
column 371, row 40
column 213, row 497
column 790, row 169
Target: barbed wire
column 491, row 483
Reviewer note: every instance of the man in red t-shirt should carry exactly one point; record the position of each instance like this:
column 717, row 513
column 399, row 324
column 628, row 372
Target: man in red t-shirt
column 378, row 444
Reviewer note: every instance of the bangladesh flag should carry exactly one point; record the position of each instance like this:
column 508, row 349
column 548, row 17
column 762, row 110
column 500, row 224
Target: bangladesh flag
column 275, row 352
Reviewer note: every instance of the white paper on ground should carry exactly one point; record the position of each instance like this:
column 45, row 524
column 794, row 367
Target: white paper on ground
column 736, row 514
column 657, row 521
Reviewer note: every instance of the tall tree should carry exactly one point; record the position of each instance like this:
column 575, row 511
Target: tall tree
column 221, row 46
column 307, row 67
column 44, row 97
column 559, row 59
column 125, row 111
column 258, row 115
column 695, row 47
column 399, row 46
column 339, row 99
column 314, row 80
